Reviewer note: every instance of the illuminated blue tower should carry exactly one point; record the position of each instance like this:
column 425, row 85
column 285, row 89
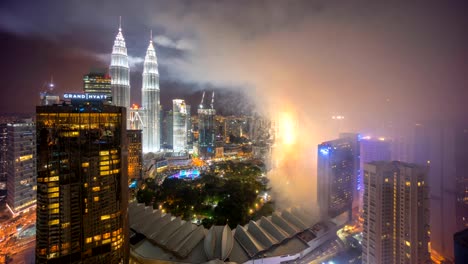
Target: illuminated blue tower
column 337, row 170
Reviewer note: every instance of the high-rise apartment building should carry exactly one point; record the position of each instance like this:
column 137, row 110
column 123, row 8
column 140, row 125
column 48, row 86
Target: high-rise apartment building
column 82, row 183
column 98, row 82
column 21, row 165
column 120, row 73
column 396, row 213
column 338, row 162
column 150, row 101
column 179, row 131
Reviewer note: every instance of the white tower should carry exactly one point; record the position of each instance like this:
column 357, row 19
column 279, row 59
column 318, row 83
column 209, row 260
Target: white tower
column 120, row 73
column 150, row 101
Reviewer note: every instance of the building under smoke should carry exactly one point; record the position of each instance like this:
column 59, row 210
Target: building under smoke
column 150, row 101
column 337, row 170
column 396, row 213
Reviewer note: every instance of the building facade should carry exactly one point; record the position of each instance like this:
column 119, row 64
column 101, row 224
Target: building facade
column 135, row 154
column 150, row 101
column 179, row 125
column 98, row 82
column 82, row 184
column 21, row 165
column 396, row 213
column 337, row 170
column 206, row 132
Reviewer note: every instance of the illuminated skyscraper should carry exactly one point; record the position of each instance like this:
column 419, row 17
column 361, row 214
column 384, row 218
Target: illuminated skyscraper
column 206, row 129
column 97, row 82
column 150, row 101
column 396, row 213
column 179, row 131
column 135, row 154
column 21, row 165
column 82, row 183
column 120, row 73
column 337, row 170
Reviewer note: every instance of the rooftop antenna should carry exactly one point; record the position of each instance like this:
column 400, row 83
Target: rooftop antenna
column 212, row 101
column 151, row 35
column 120, row 23
column 51, row 84
column 202, row 99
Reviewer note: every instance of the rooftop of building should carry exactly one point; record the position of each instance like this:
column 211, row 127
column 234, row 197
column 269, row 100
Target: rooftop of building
column 156, row 236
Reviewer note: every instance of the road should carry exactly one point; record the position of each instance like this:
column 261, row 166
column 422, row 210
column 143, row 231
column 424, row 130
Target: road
column 10, row 243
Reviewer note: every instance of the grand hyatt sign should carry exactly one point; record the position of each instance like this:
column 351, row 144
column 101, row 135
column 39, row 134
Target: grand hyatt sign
column 84, row 96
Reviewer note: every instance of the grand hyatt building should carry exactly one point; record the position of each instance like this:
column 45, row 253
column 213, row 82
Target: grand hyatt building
column 82, row 183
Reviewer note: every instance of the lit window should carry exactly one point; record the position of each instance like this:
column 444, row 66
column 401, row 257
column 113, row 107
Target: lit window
column 408, row 243
column 97, row 238
column 54, row 189
column 105, row 217
column 85, row 164
column 408, row 183
column 54, row 222
column 386, row 179
column 96, row 189
column 89, row 240
column 53, row 195
column 54, row 211
column 54, row 205
column 54, row 178
column 96, row 198
column 104, row 152
column 104, row 173
column 65, row 225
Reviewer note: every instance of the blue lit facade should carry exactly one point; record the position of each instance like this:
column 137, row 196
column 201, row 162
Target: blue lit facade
column 337, row 169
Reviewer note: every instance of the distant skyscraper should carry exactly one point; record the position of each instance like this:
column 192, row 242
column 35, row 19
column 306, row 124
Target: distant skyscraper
column 206, row 129
column 21, row 165
column 337, row 169
column 444, row 148
column 179, row 131
column 82, row 184
column 150, row 101
column 396, row 213
column 120, row 73
column 97, row 82
column 135, row 154
column 168, row 129
column 3, row 158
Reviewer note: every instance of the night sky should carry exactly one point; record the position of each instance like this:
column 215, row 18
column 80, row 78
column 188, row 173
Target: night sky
column 362, row 59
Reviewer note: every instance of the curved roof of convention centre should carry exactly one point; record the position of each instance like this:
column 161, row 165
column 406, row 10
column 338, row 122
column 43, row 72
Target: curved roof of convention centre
column 157, row 236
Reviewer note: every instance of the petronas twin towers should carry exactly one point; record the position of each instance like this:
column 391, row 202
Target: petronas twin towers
column 120, row 83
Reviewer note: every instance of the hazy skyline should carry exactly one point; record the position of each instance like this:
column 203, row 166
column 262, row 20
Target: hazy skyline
column 325, row 57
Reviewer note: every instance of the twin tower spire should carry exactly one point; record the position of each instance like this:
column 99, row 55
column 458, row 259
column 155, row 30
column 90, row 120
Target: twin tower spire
column 120, row 82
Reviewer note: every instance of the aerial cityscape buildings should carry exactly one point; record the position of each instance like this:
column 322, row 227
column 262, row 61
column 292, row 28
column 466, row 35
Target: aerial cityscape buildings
column 109, row 174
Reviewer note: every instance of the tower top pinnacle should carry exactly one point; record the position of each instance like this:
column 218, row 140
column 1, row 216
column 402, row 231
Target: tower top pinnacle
column 151, row 35
column 120, row 23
